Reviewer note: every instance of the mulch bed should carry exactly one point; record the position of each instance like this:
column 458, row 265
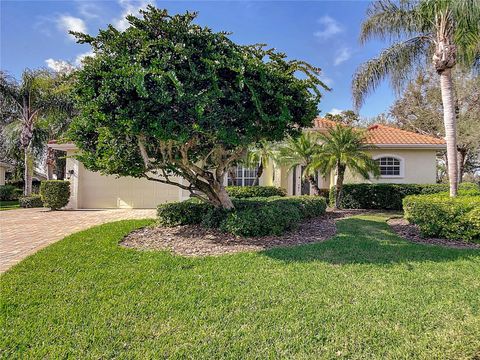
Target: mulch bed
column 194, row 240
column 412, row 233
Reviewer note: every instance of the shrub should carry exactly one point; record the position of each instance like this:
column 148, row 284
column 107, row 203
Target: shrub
column 8, row 193
column 182, row 213
column 309, row 206
column 243, row 192
column 32, row 201
column 387, row 196
column 55, row 193
column 439, row 215
column 270, row 218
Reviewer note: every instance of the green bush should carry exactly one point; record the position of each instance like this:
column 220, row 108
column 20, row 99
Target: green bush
column 9, row 193
column 439, row 215
column 387, row 196
column 251, row 217
column 182, row 213
column 32, row 201
column 55, row 193
column 243, row 192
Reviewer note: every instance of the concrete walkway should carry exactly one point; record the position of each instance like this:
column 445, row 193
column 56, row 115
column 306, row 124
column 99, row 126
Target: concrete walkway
column 25, row 231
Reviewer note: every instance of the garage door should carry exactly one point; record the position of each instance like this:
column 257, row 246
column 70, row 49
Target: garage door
column 96, row 191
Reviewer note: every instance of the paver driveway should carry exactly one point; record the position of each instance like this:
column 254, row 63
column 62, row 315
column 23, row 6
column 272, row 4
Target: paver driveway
column 25, row 231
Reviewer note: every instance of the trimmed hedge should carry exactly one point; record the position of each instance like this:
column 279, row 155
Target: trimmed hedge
column 32, row 201
column 439, row 215
column 9, row 192
column 244, row 192
column 251, row 217
column 55, row 193
column 387, row 196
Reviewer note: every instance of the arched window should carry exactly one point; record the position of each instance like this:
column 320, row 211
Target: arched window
column 390, row 166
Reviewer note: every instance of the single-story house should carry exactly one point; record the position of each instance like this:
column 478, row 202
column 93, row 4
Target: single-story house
column 403, row 157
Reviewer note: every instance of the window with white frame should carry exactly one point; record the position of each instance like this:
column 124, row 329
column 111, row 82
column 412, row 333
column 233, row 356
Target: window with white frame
column 241, row 176
column 389, row 166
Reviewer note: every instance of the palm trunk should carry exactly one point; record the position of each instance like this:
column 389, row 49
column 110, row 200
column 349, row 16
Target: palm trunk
column 339, row 185
column 462, row 155
column 449, row 119
column 316, row 190
column 28, row 162
column 258, row 175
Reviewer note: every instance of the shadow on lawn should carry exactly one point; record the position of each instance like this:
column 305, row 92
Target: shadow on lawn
column 365, row 241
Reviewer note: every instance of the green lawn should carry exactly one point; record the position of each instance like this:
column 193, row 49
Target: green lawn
column 9, row 205
column 363, row 294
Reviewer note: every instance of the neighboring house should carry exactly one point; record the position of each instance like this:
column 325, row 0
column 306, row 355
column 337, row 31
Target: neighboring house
column 4, row 168
column 403, row 156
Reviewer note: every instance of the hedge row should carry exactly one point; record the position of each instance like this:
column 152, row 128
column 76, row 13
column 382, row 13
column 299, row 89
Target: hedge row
column 387, row 196
column 251, row 217
column 55, row 193
column 244, row 192
column 439, row 215
column 32, row 201
column 9, row 192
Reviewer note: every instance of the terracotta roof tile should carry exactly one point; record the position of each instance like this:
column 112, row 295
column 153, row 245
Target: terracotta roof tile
column 386, row 135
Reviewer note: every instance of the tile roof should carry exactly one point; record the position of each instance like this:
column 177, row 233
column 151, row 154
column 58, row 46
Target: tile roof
column 386, row 135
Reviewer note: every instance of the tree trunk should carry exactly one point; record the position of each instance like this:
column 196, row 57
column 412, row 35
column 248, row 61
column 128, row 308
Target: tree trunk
column 259, row 174
column 449, row 119
column 225, row 200
column 28, row 163
column 339, row 185
column 233, row 176
column 316, row 190
column 462, row 155
column 50, row 162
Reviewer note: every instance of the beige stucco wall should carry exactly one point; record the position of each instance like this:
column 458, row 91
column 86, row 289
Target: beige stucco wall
column 2, row 175
column 419, row 167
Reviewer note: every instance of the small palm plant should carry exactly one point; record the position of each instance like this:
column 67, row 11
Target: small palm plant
column 302, row 151
column 344, row 148
column 258, row 156
column 423, row 32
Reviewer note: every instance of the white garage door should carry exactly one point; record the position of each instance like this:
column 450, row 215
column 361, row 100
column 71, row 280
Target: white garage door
column 97, row 191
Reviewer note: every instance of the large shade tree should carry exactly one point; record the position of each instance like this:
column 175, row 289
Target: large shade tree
column 28, row 107
column 438, row 33
column 174, row 102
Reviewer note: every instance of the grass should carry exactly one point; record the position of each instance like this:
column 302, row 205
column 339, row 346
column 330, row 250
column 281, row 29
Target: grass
column 365, row 294
column 9, row 205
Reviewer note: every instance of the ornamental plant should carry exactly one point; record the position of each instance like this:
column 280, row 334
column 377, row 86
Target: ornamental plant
column 168, row 100
column 55, row 193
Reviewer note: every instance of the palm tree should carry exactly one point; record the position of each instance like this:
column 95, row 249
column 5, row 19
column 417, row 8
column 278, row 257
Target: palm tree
column 258, row 156
column 36, row 97
column 445, row 32
column 344, row 148
column 301, row 151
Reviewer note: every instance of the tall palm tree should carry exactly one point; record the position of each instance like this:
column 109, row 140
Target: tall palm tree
column 258, row 156
column 437, row 32
column 301, row 151
column 37, row 96
column 344, row 148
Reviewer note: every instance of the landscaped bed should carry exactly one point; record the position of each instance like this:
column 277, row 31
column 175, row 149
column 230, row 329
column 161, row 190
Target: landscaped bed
column 364, row 293
column 195, row 240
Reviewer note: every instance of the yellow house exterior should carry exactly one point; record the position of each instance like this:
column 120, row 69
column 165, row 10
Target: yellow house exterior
column 406, row 158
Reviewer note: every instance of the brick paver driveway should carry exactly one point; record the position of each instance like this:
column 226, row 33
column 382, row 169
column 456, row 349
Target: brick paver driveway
column 25, row 231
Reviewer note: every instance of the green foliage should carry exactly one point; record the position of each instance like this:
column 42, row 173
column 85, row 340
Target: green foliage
column 255, row 216
column 32, row 201
column 55, row 193
column 166, row 95
column 441, row 216
column 243, row 192
column 387, row 196
column 182, row 213
column 9, row 192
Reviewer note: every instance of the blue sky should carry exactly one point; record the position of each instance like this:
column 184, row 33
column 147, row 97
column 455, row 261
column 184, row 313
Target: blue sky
column 325, row 33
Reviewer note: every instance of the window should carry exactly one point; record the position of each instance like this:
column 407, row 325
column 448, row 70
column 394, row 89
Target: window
column 389, row 166
column 242, row 176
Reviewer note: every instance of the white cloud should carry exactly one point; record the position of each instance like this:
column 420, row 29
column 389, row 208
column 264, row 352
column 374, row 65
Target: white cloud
column 80, row 57
column 59, row 65
column 335, row 111
column 66, row 23
column 88, row 9
column 342, row 55
column 130, row 7
column 330, row 27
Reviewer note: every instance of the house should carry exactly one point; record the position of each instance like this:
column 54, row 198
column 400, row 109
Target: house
column 4, row 168
column 403, row 156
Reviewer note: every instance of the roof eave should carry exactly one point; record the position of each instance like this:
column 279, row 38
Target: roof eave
column 410, row 146
column 62, row 147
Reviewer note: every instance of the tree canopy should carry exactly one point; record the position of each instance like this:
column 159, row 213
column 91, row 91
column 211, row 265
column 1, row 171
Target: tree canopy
column 168, row 99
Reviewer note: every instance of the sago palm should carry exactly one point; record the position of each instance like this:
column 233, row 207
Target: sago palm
column 438, row 33
column 344, row 148
column 301, row 151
